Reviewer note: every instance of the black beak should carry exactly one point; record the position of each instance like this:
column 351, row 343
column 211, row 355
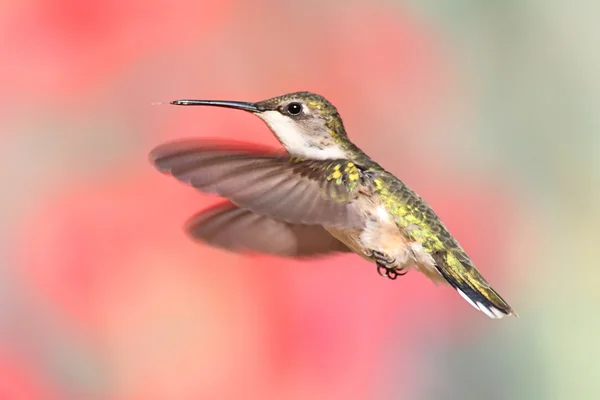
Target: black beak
column 240, row 105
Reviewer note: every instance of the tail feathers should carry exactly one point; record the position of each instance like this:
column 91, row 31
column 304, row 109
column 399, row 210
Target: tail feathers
column 477, row 292
column 485, row 305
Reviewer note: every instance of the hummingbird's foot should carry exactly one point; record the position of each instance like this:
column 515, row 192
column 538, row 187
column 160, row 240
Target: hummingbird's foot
column 386, row 272
column 385, row 265
column 382, row 258
column 391, row 273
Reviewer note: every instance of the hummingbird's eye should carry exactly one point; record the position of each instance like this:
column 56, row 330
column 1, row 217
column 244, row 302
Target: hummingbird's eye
column 294, row 108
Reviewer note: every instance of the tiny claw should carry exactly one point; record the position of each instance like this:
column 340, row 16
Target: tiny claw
column 390, row 273
column 383, row 258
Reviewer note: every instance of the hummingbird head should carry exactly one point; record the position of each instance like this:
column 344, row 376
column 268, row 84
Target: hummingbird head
column 306, row 124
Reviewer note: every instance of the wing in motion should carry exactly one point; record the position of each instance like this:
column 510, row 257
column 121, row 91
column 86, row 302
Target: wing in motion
column 266, row 183
column 230, row 227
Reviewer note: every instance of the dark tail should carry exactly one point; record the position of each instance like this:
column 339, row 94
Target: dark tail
column 471, row 285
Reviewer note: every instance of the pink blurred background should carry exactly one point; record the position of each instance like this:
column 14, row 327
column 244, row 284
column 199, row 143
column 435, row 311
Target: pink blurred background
column 102, row 296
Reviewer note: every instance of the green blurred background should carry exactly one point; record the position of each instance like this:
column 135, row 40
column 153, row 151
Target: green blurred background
column 488, row 109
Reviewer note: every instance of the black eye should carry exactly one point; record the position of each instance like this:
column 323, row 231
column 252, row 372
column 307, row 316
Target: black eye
column 294, row 108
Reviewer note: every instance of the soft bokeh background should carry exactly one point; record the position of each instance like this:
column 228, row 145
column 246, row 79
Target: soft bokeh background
column 488, row 109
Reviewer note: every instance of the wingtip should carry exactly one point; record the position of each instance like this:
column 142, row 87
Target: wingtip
column 153, row 158
column 160, row 155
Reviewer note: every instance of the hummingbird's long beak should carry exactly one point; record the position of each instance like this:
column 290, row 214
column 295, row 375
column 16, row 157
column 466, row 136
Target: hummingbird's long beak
column 240, row 105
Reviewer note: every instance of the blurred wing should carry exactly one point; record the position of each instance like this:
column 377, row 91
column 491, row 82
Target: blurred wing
column 267, row 183
column 236, row 229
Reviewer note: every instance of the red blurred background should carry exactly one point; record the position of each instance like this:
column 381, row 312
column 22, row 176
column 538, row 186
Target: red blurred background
column 104, row 297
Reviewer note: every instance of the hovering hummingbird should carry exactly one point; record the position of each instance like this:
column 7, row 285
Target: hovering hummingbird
column 323, row 195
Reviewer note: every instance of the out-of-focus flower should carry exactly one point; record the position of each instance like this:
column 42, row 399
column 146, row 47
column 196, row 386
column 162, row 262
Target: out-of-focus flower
column 61, row 48
column 19, row 380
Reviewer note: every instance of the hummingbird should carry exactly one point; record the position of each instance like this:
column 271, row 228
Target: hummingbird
column 321, row 195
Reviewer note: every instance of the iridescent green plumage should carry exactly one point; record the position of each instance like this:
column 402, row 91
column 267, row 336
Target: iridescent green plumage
column 422, row 225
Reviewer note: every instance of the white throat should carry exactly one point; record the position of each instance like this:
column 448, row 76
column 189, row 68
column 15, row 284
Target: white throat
column 295, row 141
